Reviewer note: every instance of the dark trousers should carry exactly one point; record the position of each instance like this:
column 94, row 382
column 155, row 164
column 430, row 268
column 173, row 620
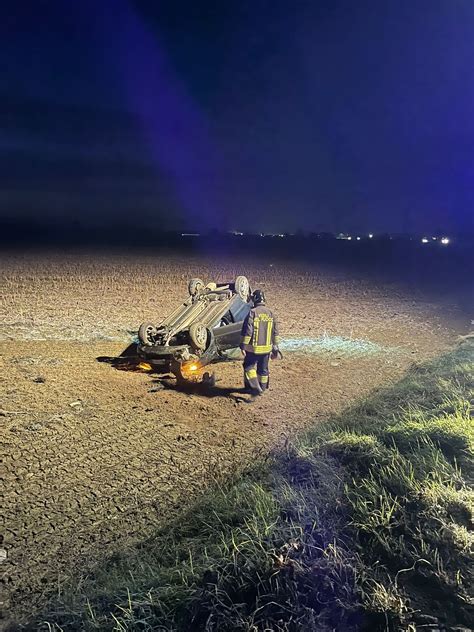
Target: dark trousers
column 256, row 372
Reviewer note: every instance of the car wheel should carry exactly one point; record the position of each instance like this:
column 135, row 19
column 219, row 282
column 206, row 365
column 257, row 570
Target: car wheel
column 194, row 286
column 146, row 334
column 242, row 287
column 198, row 336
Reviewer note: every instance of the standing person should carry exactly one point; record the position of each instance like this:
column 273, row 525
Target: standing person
column 259, row 343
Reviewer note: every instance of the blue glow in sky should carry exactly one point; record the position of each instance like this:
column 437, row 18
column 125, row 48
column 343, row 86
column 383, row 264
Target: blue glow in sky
column 274, row 116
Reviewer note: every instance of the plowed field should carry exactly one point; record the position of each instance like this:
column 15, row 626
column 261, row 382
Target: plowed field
column 96, row 458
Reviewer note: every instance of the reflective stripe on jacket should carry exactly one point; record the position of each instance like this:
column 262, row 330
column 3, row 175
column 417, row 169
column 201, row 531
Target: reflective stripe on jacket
column 259, row 331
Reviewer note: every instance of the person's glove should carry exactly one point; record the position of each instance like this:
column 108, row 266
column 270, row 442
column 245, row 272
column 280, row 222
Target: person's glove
column 274, row 353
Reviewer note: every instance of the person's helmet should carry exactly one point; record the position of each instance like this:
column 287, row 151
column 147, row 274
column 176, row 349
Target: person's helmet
column 258, row 297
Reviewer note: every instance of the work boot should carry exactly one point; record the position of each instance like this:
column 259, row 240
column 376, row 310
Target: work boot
column 253, row 389
column 252, row 384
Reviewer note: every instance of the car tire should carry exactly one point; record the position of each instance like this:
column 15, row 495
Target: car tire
column 194, row 286
column 242, row 287
column 146, row 333
column 198, row 336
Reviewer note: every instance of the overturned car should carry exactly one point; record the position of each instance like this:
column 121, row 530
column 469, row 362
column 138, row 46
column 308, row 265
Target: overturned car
column 204, row 329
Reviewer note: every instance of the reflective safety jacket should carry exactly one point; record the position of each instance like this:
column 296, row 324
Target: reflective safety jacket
column 259, row 331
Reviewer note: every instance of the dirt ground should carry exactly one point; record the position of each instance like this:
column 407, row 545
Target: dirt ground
column 96, row 458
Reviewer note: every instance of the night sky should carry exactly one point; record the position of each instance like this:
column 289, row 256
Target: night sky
column 250, row 115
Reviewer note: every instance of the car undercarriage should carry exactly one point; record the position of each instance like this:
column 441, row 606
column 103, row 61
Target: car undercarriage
column 204, row 329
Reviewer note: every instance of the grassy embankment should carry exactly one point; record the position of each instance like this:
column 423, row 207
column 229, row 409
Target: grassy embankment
column 364, row 522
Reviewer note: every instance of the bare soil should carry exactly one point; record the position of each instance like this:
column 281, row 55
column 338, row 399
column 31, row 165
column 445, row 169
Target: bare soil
column 96, row 458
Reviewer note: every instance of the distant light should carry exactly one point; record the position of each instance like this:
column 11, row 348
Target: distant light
column 190, row 234
column 358, row 238
column 434, row 238
column 370, row 235
column 424, row 240
column 349, row 238
column 445, row 240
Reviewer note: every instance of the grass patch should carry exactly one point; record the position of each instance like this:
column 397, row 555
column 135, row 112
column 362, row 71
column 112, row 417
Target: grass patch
column 363, row 523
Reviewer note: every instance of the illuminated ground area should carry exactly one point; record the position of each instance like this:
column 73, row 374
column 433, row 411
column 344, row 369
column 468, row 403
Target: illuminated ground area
column 96, row 458
column 335, row 345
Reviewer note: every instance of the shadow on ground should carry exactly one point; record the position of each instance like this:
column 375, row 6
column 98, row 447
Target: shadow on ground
column 202, row 389
column 128, row 360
